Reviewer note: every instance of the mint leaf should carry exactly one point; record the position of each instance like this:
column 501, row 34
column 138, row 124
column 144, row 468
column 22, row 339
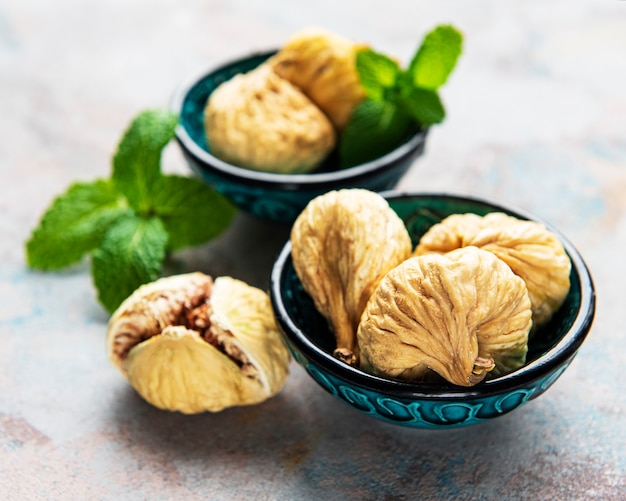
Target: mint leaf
column 74, row 224
column 423, row 105
column 132, row 253
column 132, row 220
column 137, row 162
column 375, row 128
column 377, row 73
column 436, row 57
column 191, row 211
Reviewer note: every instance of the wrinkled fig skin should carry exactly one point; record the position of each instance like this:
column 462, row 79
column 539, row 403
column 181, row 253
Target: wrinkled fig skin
column 343, row 243
column 190, row 344
column 323, row 65
column 456, row 314
column 177, row 370
column 247, row 313
column 261, row 121
column 529, row 248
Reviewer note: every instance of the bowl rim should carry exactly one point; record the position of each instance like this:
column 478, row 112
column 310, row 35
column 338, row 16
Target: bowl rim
column 561, row 353
column 311, row 180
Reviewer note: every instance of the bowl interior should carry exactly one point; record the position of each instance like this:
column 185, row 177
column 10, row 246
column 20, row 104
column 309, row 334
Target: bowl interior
column 419, row 212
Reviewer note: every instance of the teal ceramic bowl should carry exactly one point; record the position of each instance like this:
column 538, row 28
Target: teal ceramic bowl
column 422, row 405
column 275, row 197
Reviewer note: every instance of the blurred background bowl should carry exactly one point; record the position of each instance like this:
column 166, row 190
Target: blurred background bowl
column 423, row 405
column 275, row 197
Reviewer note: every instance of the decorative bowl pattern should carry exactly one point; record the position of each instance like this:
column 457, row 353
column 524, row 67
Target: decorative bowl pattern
column 274, row 197
column 421, row 405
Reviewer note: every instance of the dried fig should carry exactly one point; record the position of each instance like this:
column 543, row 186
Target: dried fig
column 190, row 344
column 260, row 121
column 323, row 65
column 529, row 248
column 461, row 314
column 343, row 243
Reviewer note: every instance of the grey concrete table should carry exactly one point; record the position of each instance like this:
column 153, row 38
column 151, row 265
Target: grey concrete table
column 536, row 117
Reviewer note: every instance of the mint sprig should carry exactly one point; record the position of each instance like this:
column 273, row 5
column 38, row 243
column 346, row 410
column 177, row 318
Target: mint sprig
column 130, row 222
column 399, row 101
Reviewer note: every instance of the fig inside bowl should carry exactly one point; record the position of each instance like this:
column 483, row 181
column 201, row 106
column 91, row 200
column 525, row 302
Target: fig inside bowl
column 274, row 197
column 551, row 348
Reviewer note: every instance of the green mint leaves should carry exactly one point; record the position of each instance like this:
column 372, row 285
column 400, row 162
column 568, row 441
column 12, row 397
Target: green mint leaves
column 130, row 222
column 75, row 224
column 131, row 253
column 399, row 101
column 137, row 162
column 378, row 74
column 376, row 127
column 436, row 58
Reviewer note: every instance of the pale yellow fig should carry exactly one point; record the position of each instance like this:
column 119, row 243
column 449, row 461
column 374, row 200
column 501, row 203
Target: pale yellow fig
column 529, row 248
column 343, row 243
column 260, row 121
column 461, row 315
column 323, row 65
column 190, row 344
column 179, row 370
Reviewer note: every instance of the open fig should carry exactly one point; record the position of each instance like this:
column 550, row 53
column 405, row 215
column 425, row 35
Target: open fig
column 190, row 344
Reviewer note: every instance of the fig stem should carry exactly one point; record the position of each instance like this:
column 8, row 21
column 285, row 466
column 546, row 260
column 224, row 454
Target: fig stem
column 346, row 355
column 481, row 367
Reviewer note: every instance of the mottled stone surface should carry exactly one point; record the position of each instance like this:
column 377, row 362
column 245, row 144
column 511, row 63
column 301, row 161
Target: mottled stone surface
column 536, row 117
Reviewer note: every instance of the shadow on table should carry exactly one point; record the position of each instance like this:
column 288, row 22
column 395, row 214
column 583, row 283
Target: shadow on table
column 307, row 443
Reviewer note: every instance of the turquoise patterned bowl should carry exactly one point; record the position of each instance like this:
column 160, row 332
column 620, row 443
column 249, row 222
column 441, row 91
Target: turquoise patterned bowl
column 422, row 405
column 275, row 197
